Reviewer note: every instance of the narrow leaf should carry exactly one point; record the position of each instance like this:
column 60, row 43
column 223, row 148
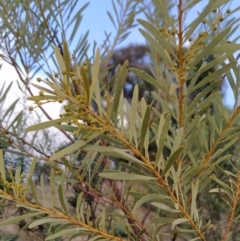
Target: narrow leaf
column 194, row 198
column 145, row 126
column 45, row 220
column 115, row 152
column 65, row 232
column 43, row 190
column 143, row 75
column 172, row 159
column 72, row 148
column 95, row 81
column 19, row 218
column 125, row 176
column 162, row 135
column 52, row 187
column 178, row 221
column 164, row 207
column 48, row 124
column 78, row 206
column 147, row 198
column 61, row 192
column 60, row 59
column 118, row 88
column 2, row 166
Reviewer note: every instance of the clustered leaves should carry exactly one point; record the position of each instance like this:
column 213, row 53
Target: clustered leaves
column 192, row 135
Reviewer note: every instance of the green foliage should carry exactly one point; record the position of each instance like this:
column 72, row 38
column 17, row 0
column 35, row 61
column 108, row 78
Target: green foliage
column 134, row 169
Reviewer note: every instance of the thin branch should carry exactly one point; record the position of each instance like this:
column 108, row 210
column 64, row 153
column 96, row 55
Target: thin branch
column 146, row 214
column 60, row 215
column 214, row 146
column 174, row 238
column 233, row 209
column 181, row 79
